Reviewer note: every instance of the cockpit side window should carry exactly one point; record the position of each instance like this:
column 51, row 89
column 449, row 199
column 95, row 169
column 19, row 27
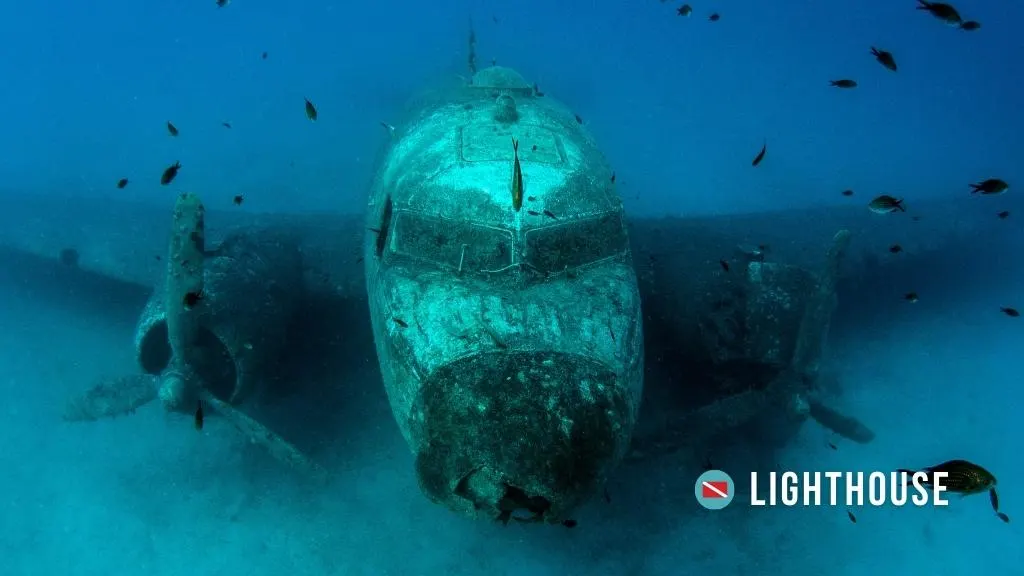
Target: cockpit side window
column 452, row 244
column 384, row 227
column 576, row 243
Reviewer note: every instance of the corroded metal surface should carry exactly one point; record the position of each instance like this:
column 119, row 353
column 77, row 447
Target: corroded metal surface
column 504, row 336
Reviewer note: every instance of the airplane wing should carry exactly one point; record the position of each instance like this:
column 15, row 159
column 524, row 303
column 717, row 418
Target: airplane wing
column 686, row 266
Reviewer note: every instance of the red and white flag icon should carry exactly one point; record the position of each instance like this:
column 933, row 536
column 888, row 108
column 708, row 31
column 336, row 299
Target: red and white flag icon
column 714, row 489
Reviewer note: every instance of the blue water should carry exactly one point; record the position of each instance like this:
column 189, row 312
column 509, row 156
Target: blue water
column 679, row 105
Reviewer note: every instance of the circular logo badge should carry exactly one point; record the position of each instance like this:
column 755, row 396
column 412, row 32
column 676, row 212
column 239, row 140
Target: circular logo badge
column 715, row 489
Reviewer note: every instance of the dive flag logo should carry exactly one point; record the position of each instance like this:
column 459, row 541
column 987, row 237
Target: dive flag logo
column 714, row 489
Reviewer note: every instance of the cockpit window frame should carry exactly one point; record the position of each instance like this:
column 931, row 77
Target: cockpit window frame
column 458, row 264
column 620, row 250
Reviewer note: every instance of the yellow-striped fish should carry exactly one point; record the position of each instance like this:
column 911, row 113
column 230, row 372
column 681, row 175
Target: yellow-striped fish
column 517, row 178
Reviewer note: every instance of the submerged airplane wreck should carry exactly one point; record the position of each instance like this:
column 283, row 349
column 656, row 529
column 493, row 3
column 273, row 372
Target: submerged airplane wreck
column 519, row 321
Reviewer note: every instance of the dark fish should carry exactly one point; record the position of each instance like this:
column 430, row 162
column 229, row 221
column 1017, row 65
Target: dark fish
column 310, row 110
column 550, row 214
column 911, row 297
column 531, row 198
column 238, row 199
column 942, row 11
column 714, row 17
column 388, row 127
column 578, row 119
column 684, row 10
column 970, row 25
column 847, row 192
column 191, row 299
column 536, row 91
column 895, row 248
column 199, row 415
column 1011, row 312
column 885, row 204
column 832, row 446
column 170, row 173
column 1004, row 214
column 263, row 56
column 760, row 155
column 990, row 186
column 172, row 129
column 613, row 177
column 122, row 182
column 517, row 178
column 400, row 322
column 226, row 124
column 533, row 213
column 724, row 265
column 884, row 58
column 607, row 496
column 533, row 148
column 852, row 517
column 962, row 477
column 1003, row 517
column 222, row 3
column 569, row 523
column 842, row 83
column 70, row 257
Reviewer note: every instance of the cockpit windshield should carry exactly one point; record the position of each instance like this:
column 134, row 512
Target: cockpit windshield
column 576, row 243
column 454, row 244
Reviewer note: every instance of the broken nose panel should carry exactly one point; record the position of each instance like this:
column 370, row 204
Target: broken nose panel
column 544, row 425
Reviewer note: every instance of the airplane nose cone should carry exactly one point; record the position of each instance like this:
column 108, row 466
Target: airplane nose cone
column 531, row 433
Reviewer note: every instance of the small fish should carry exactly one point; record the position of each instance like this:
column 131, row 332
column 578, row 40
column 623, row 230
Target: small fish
column 401, row 323
column 172, row 129
column 1003, row 517
column 238, row 199
column 942, row 11
column 263, row 56
column 222, row 3
column 531, row 198
column 607, row 496
column 724, row 265
column 199, row 415
column 170, row 173
column 578, row 119
column 970, row 25
column 1004, row 214
column 714, row 17
column 389, row 128
column 884, row 58
column 760, row 155
column 847, row 192
column 310, row 110
column 533, row 213
column 832, row 446
column 536, row 91
column 1011, row 312
column 122, row 182
column 852, row 517
column 550, row 214
column 226, row 125
column 191, row 299
column 990, row 186
column 517, row 178
column 684, row 10
column 962, row 477
column 895, row 249
column 844, row 83
column 570, row 523
column 911, row 297
column 70, row 257
column 533, row 148
column 885, row 204
column 613, row 177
